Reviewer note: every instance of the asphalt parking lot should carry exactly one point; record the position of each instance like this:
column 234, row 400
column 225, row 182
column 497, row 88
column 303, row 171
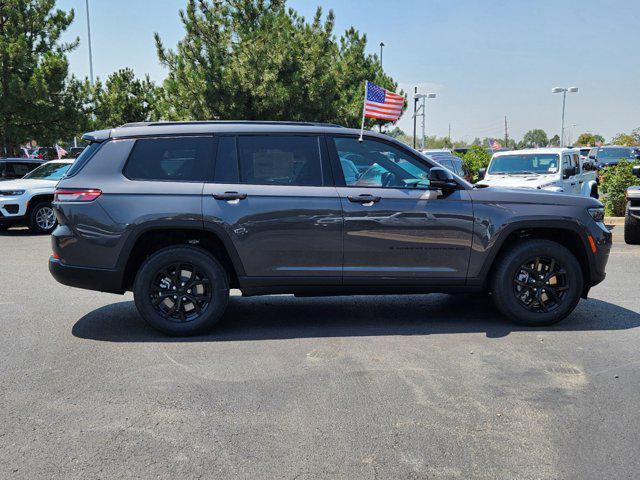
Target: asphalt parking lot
column 429, row 386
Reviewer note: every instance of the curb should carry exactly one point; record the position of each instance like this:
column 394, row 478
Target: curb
column 614, row 220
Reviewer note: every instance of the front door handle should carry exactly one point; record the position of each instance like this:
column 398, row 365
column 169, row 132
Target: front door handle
column 230, row 196
column 364, row 199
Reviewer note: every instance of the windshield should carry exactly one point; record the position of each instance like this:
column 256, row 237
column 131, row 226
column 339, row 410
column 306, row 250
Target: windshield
column 526, row 163
column 49, row 171
column 614, row 153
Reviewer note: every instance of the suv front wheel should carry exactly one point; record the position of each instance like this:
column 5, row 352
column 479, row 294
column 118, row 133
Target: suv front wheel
column 181, row 291
column 537, row 282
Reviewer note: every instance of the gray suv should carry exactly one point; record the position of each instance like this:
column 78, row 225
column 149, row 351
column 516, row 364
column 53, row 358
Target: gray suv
column 179, row 213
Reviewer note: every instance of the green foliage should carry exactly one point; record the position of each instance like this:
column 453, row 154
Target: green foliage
column 589, row 139
column 259, row 60
column 555, row 141
column 475, row 159
column 37, row 98
column 614, row 181
column 534, row 138
column 124, row 98
column 625, row 139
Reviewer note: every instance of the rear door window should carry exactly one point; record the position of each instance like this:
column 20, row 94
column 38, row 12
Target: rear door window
column 280, row 160
column 177, row 159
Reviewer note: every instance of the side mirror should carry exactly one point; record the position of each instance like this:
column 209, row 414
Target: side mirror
column 636, row 171
column 481, row 173
column 441, row 179
column 569, row 172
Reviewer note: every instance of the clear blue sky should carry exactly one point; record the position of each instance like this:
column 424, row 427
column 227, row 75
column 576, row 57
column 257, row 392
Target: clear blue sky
column 483, row 59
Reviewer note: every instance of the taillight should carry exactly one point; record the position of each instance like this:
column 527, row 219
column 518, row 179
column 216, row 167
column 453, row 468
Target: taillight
column 76, row 194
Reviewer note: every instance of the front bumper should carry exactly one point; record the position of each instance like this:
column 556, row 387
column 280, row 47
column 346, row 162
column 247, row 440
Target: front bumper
column 100, row 279
column 603, row 239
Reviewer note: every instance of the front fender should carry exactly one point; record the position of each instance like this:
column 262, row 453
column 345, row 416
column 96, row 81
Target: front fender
column 587, row 187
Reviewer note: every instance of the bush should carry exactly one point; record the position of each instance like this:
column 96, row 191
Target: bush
column 614, row 182
column 475, row 159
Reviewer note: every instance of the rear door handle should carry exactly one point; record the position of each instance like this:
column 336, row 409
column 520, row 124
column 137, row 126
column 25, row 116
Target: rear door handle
column 230, row 196
column 364, row 199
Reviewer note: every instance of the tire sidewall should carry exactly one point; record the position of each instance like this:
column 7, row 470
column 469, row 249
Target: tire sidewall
column 205, row 262
column 503, row 283
column 33, row 225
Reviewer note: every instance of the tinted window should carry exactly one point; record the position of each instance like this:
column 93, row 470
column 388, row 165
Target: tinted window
column 614, row 153
column 226, row 161
column 376, row 164
column 19, row 170
column 82, row 159
column 280, row 160
column 183, row 159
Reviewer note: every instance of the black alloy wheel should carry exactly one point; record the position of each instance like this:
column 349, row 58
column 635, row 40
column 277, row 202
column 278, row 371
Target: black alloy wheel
column 180, row 292
column 540, row 284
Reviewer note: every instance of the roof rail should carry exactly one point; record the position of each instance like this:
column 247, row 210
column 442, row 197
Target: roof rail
column 223, row 122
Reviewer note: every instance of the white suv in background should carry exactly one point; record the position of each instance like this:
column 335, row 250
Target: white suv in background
column 553, row 169
column 27, row 201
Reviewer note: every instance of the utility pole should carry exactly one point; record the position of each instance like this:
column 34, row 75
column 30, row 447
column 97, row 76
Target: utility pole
column 449, row 131
column 381, row 45
column 506, row 133
column 415, row 112
column 89, row 43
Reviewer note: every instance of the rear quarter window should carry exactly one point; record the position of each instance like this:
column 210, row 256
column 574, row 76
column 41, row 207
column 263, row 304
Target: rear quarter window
column 177, row 159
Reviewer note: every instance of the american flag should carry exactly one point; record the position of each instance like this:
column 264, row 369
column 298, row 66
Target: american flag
column 493, row 143
column 382, row 104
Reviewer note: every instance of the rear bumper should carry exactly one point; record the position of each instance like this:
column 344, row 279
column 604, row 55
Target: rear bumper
column 100, row 279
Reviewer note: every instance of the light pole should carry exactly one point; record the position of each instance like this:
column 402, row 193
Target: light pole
column 416, row 98
column 89, row 43
column 564, row 100
column 381, row 47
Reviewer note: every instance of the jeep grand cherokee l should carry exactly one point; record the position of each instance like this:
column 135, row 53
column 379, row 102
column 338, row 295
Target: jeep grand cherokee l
column 179, row 213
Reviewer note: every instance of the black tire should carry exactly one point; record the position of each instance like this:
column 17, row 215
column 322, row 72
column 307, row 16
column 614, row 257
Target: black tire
column 159, row 269
column 508, row 294
column 631, row 228
column 42, row 218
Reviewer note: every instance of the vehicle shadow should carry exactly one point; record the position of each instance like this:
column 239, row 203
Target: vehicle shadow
column 286, row 317
column 17, row 232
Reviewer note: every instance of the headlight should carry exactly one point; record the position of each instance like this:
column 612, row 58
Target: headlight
column 597, row 213
column 11, row 193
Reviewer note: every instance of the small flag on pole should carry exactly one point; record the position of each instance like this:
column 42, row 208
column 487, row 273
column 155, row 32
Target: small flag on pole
column 494, row 144
column 381, row 104
column 60, row 151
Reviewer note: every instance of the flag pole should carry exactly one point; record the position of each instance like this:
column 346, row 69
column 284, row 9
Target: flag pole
column 364, row 102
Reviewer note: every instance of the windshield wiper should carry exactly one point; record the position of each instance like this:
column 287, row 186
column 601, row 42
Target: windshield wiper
column 524, row 172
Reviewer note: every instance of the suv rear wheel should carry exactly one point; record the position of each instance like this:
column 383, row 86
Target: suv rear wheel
column 181, row 291
column 537, row 283
column 41, row 218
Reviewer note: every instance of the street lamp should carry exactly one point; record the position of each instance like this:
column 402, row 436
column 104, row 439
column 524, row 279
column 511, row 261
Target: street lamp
column 416, row 98
column 564, row 99
column 89, row 42
column 381, row 46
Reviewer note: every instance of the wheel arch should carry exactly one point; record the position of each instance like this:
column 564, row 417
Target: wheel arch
column 570, row 235
column 155, row 237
